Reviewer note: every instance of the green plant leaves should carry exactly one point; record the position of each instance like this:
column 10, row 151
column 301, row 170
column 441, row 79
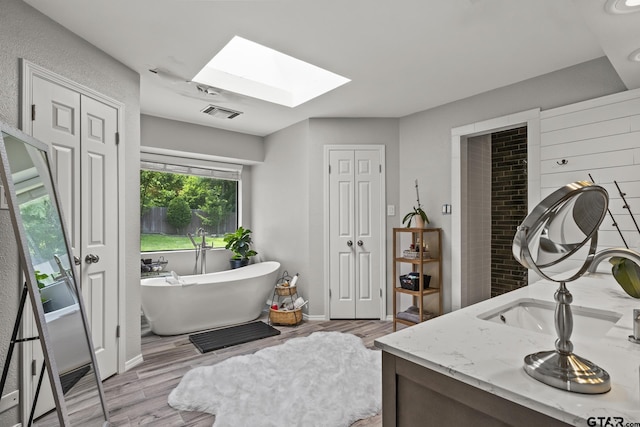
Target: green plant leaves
column 240, row 243
column 627, row 274
column 40, row 277
column 415, row 212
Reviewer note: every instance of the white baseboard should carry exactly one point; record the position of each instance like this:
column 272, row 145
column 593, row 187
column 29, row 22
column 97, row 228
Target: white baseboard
column 318, row 317
column 132, row 363
column 9, row 400
column 389, row 318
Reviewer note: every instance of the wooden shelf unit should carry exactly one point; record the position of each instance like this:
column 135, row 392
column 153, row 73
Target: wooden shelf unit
column 420, row 237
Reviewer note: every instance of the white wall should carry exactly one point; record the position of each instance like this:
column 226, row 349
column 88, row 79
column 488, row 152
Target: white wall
column 26, row 33
column 280, row 216
column 219, row 144
column 291, row 219
column 476, row 223
column 425, row 137
column 600, row 137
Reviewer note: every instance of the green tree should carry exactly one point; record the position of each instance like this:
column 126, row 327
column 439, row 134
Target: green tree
column 196, row 191
column 159, row 188
column 42, row 226
column 220, row 203
column 178, row 213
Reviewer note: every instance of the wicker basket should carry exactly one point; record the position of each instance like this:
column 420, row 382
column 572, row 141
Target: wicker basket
column 282, row 317
column 286, row 290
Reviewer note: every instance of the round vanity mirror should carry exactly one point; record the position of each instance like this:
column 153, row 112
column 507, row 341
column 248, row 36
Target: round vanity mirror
column 559, row 227
column 564, row 226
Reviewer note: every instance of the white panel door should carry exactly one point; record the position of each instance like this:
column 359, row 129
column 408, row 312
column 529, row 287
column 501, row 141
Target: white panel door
column 99, row 239
column 57, row 123
column 354, row 229
column 82, row 134
column 368, row 225
column 342, row 234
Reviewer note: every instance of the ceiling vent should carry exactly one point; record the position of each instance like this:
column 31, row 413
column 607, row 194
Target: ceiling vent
column 220, row 112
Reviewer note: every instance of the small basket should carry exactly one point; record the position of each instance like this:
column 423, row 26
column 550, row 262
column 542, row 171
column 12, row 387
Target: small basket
column 412, row 282
column 285, row 317
column 286, row 290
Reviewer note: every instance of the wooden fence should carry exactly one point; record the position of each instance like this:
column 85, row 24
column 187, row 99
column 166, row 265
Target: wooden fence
column 154, row 221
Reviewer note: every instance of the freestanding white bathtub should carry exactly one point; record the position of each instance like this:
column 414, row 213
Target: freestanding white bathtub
column 208, row 300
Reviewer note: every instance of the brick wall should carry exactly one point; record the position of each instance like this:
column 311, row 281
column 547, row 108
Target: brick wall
column 508, row 207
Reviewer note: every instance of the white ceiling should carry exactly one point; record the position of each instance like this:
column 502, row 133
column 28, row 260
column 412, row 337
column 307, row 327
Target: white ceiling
column 402, row 56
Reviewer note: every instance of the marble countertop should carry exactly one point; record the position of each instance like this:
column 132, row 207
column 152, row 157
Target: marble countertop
column 490, row 355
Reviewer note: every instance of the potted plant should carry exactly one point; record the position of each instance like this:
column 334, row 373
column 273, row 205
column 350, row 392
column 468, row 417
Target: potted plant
column 421, row 217
column 40, row 277
column 239, row 243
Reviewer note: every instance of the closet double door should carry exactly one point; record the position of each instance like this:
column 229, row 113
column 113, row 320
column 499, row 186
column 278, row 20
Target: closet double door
column 82, row 134
column 355, row 232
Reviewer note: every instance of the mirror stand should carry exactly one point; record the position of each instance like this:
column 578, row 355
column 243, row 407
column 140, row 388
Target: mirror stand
column 52, row 287
column 12, row 344
column 558, row 228
column 561, row 368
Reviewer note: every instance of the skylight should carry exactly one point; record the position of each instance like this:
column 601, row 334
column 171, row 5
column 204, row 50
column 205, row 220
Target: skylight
column 622, row 6
column 252, row 69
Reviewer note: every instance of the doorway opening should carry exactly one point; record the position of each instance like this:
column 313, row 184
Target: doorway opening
column 495, row 177
column 508, row 207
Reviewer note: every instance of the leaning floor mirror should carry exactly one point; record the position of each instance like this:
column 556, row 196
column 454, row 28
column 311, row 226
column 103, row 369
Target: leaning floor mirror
column 54, row 292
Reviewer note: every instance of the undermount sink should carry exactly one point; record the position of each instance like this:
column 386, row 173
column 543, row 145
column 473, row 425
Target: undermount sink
column 538, row 316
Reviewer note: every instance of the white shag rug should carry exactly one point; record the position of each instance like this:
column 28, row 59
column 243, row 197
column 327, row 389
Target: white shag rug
column 326, row 379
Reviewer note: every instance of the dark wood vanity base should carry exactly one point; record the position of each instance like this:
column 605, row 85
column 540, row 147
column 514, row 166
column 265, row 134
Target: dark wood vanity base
column 413, row 395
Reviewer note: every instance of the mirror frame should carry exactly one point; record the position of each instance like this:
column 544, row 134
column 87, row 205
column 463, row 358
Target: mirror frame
column 546, row 209
column 29, row 272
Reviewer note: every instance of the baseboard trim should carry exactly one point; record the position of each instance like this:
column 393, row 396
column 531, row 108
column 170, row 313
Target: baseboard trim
column 132, row 363
column 389, row 318
column 9, row 400
column 317, row 317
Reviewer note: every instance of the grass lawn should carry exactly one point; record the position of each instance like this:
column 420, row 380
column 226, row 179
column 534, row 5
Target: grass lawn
column 162, row 242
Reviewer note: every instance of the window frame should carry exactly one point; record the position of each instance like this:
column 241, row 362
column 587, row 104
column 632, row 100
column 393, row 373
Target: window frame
column 220, row 170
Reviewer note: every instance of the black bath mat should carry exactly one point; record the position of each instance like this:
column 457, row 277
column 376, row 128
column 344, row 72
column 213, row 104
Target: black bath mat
column 70, row 379
column 227, row 337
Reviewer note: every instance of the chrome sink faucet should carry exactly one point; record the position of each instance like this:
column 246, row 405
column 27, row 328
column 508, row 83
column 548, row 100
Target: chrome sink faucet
column 629, row 254
column 611, row 252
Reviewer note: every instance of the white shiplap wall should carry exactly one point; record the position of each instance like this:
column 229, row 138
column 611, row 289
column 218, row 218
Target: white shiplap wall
column 601, row 137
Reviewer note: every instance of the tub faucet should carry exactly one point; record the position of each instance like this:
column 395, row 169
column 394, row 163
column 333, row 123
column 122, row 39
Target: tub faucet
column 203, row 250
column 195, row 245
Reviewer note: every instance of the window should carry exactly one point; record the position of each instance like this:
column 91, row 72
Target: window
column 178, row 200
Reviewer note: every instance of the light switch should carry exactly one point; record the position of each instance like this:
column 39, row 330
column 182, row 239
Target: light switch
column 391, row 210
column 446, row 209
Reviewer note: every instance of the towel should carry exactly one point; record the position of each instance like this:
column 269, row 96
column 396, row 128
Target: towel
column 175, row 279
column 412, row 314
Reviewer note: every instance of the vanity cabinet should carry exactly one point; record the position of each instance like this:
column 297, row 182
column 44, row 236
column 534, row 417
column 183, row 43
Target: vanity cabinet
column 417, row 253
column 413, row 395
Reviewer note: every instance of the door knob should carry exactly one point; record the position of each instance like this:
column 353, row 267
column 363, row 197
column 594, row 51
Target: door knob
column 91, row 259
column 360, row 243
column 349, row 243
column 76, row 260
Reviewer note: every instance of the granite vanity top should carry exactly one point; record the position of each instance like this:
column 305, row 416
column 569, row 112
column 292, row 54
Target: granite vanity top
column 490, row 355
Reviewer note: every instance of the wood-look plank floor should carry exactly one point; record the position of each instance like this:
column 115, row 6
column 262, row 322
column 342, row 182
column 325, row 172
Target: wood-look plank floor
column 139, row 396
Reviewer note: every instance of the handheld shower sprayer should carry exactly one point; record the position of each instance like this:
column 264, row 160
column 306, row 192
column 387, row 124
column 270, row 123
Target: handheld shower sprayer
column 192, row 241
